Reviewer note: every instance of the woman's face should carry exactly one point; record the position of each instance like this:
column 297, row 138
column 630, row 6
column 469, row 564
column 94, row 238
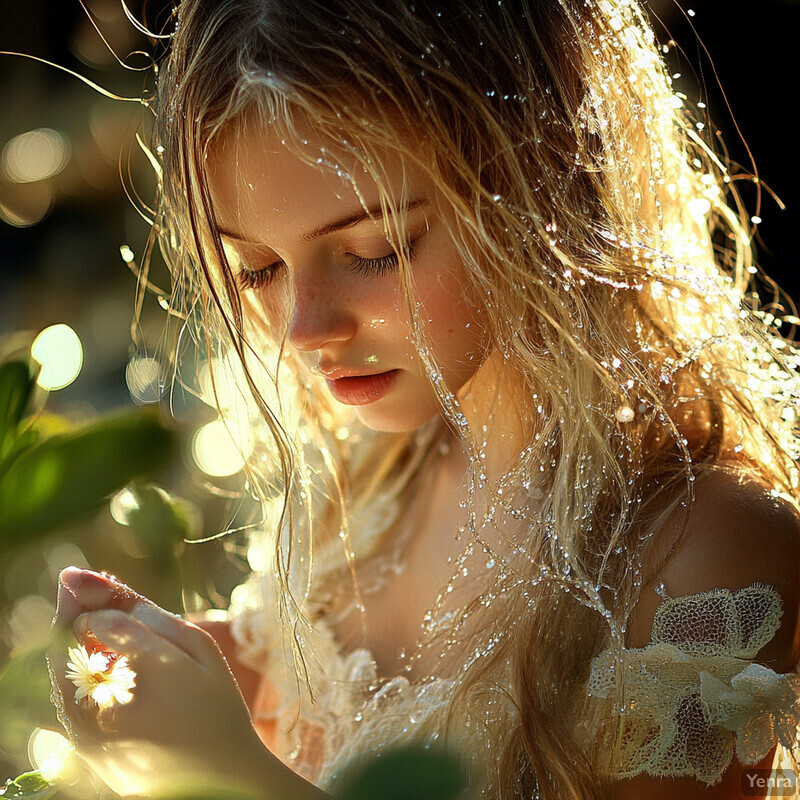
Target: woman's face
column 312, row 255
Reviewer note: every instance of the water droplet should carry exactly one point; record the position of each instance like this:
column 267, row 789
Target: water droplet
column 624, row 414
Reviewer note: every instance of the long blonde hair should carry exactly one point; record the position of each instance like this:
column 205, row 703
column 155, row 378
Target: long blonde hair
column 609, row 254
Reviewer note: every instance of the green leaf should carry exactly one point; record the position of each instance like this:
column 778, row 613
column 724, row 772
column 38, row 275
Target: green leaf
column 16, row 385
column 159, row 523
column 410, row 773
column 67, row 477
column 158, row 517
column 15, row 447
column 30, row 785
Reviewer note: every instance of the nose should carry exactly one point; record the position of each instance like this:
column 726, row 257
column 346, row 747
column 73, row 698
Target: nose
column 322, row 312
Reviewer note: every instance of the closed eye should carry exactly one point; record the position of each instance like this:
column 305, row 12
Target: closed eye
column 369, row 267
column 381, row 265
column 258, row 278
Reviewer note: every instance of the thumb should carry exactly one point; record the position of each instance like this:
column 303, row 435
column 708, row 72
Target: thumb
column 83, row 590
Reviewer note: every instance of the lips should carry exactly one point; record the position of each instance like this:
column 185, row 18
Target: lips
column 360, row 390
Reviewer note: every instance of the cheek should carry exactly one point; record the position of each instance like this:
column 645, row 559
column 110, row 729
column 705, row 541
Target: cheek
column 380, row 301
column 379, row 305
column 454, row 322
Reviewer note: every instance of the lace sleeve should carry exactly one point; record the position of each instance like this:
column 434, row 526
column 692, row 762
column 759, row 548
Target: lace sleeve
column 693, row 697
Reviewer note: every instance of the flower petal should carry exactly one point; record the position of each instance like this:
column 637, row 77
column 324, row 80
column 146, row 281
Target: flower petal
column 81, row 692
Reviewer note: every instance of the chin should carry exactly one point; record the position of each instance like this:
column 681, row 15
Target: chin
column 396, row 421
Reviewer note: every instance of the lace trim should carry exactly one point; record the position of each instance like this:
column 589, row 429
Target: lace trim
column 690, row 697
column 354, row 714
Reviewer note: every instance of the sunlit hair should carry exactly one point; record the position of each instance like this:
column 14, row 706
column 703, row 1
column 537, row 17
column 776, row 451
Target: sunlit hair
column 605, row 246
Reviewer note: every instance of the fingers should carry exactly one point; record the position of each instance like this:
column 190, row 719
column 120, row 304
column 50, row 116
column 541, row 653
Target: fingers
column 83, row 590
column 190, row 638
column 149, row 632
column 67, row 606
column 103, row 614
column 121, row 632
column 56, row 667
column 90, row 722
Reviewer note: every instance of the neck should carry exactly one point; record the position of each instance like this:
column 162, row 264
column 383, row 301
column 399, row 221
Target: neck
column 499, row 420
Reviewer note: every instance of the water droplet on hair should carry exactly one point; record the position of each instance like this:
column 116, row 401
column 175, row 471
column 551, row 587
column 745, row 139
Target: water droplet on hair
column 624, row 414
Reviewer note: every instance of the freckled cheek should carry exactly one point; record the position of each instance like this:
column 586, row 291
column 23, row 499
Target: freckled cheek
column 280, row 299
column 379, row 304
column 453, row 319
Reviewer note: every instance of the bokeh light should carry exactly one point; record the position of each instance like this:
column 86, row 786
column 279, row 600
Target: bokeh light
column 25, row 204
column 35, row 155
column 219, row 384
column 123, row 503
column 143, row 376
column 29, row 622
column 48, row 752
column 58, row 349
column 215, row 452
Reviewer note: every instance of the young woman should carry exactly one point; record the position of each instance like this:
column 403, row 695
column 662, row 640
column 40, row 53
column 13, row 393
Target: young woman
column 524, row 437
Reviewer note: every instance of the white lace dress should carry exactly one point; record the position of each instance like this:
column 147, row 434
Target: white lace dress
column 353, row 711
column 684, row 705
column 694, row 698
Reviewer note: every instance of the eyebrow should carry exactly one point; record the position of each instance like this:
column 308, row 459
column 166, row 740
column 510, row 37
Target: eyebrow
column 340, row 224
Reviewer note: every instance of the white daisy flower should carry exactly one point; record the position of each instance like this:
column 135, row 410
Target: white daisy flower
column 105, row 678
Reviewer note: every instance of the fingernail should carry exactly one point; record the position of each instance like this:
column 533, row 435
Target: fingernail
column 79, row 590
column 69, row 575
column 95, row 590
column 76, row 579
column 92, row 589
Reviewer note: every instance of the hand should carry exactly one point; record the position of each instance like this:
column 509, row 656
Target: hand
column 186, row 719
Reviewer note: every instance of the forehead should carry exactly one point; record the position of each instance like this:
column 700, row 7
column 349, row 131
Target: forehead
column 271, row 191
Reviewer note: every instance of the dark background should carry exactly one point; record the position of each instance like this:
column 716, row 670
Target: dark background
column 740, row 58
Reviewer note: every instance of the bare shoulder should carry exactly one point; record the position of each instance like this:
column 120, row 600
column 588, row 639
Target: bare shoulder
column 735, row 532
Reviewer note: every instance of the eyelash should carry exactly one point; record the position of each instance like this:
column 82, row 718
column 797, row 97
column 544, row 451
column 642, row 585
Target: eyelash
column 369, row 267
